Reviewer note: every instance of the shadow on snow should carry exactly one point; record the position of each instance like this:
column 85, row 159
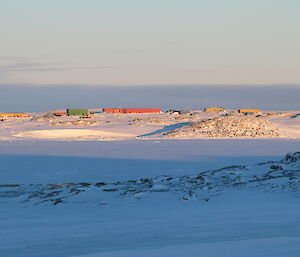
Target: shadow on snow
column 166, row 129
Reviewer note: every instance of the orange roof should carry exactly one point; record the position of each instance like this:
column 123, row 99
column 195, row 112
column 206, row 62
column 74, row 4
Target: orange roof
column 19, row 115
column 213, row 109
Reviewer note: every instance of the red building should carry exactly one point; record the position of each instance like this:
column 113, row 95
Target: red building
column 130, row 110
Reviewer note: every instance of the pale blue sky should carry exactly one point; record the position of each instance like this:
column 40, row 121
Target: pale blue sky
column 149, row 42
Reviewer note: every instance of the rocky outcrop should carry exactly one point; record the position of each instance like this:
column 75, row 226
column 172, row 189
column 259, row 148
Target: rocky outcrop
column 236, row 126
column 292, row 158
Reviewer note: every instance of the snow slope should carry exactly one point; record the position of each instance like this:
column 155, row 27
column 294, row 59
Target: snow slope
column 73, row 134
column 273, row 176
column 79, row 161
column 244, row 210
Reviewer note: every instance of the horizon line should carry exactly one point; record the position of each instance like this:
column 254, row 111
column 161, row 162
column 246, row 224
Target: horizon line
column 148, row 85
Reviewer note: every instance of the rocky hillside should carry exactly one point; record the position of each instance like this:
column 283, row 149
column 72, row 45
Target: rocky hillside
column 282, row 176
column 236, row 126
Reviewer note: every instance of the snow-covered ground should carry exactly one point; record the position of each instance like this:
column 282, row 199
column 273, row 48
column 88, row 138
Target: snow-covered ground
column 135, row 197
column 243, row 222
column 113, row 127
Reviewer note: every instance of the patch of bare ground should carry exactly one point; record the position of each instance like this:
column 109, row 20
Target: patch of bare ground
column 167, row 119
column 151, row 121
column 75, row 123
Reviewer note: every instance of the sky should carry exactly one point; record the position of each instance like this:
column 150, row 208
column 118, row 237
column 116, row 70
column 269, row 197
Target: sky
column 25, row 98
column 143, row 42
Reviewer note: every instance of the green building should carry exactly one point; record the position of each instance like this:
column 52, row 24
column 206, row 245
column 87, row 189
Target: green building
column 77, row 112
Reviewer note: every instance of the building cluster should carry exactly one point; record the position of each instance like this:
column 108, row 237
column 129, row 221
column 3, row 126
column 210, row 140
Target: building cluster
column 85, row 113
